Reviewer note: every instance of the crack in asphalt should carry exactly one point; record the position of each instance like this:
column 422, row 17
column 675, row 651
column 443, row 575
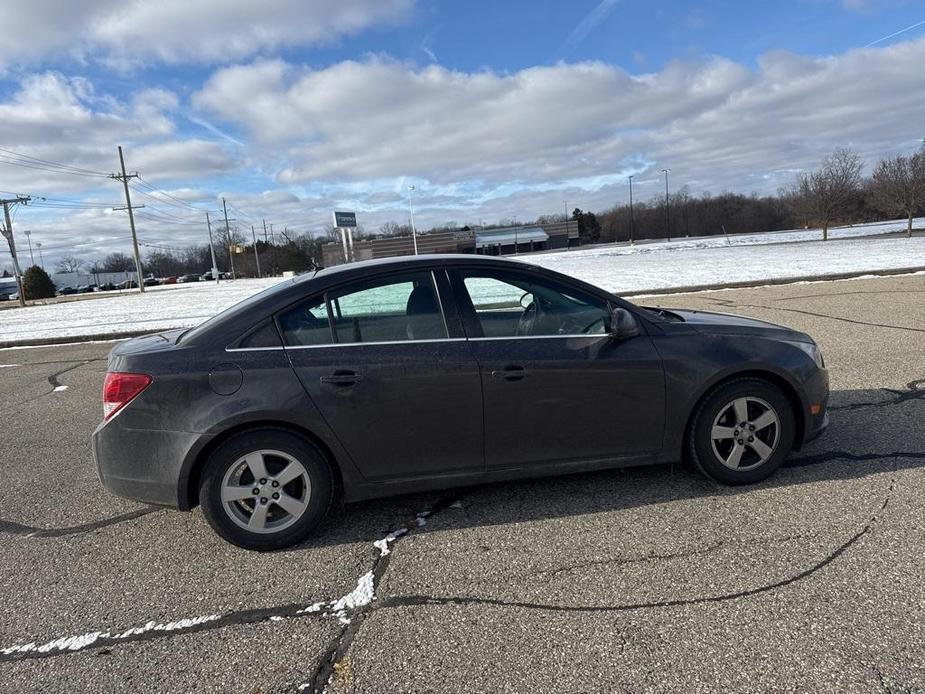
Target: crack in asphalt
column 625, row 561
column 728, row 303
column 354, row 617
column 151, row 631
column 914, row 390
column 13, row 528
column 428, row 600
column 876, row 291
column 340, row 644
column 53, row 379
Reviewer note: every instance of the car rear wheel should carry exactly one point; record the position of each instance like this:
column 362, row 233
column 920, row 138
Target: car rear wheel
column 742, row 431
column 266, row 489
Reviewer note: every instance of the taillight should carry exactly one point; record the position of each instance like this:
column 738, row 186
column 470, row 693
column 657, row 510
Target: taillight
column 120, row 389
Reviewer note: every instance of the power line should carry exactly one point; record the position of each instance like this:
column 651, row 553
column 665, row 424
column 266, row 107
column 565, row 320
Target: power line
column 186, row 203
column 75, row 169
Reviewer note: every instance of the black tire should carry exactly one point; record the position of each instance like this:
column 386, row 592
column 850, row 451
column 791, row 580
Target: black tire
column 317, row 493
column 706, row 455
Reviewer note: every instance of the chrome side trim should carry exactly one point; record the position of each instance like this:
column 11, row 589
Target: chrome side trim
column 595, row 336
column 254, row 349
column 373, row 344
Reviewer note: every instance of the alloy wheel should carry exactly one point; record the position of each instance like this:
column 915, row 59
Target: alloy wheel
column 266, row 491
column 745, row 433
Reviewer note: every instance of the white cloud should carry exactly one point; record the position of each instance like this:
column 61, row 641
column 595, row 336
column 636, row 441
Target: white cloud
column 124, row 33
column 718, row 124
column 63, row 119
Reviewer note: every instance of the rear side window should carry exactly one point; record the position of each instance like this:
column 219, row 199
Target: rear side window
column 306, row 324
column 396, row 308
column 391, row 309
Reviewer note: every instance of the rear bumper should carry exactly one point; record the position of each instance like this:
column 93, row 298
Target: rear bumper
column 141, row 464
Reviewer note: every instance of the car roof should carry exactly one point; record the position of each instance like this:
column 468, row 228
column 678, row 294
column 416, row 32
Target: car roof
column 413, row 260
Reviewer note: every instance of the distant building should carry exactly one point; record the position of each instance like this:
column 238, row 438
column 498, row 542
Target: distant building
column 483, row 241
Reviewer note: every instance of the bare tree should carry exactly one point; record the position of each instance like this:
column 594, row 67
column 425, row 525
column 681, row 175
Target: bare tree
column 117, row 262
column 829, row 188
column 898, row 185
column 69, row 263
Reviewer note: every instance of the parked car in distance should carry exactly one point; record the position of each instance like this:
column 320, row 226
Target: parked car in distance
column 8, row 292
column 189, row 278
column 67, row 291
column 151, row 281
column 128, row 284
column 86, row 289
column 107, row 287
column 167, row 280
column 408, row 374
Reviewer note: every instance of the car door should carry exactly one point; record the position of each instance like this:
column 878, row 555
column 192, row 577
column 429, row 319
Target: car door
column 556, row 385
column 394, row 380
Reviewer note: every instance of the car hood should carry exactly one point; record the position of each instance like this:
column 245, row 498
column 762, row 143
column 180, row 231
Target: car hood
column 731, row 324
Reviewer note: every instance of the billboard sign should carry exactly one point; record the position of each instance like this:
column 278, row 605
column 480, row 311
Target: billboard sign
column 345, row 219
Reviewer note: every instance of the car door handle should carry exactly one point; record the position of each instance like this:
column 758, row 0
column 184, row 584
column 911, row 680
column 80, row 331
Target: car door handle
column 342, row 378
column 510, row 373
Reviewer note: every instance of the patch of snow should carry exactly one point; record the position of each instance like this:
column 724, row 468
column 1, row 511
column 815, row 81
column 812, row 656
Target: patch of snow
column 383, row 544
column 59, row 389
column 360, row 596
column 80, row 641
column 621, row 268
column 8, row 366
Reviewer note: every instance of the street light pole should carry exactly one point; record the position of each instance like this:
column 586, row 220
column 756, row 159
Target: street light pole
column 212, row 250
column 667, row 212
column 38, row 244
column 632, row 221
column 515, row 234
column 28, row 233
column 568, row 241
column 414, row 233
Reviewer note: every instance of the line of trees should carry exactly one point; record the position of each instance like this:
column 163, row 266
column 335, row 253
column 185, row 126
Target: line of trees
column 296, row 252
column 835, row 193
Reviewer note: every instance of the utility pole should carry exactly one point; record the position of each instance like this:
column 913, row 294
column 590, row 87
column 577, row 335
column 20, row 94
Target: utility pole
column 212, row 250
column 667, row 204
column 38, row 244
column 8, row 233
column 632, row 221
column 256, row 254
column 131, row 217
column 230, row 245
column 265, row 232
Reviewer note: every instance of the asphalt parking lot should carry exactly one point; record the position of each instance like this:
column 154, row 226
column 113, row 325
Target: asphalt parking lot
column 631, row 581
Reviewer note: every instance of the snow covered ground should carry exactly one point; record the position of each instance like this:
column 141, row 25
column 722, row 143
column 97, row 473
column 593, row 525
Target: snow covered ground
column 620, row 268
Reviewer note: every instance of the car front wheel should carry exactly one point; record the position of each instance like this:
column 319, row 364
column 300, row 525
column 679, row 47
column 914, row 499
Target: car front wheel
column 742, row 431
column 266, row 489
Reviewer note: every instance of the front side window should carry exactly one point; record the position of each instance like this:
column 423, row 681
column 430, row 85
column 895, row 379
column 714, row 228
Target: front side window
column 519, row 305
column 391, row 309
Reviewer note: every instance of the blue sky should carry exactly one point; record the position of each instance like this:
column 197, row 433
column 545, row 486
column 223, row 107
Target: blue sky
column 289, row 108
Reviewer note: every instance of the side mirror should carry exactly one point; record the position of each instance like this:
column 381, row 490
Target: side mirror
column 623, row 324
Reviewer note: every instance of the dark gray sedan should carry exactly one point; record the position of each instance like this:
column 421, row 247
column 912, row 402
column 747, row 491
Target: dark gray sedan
column 409, row 374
